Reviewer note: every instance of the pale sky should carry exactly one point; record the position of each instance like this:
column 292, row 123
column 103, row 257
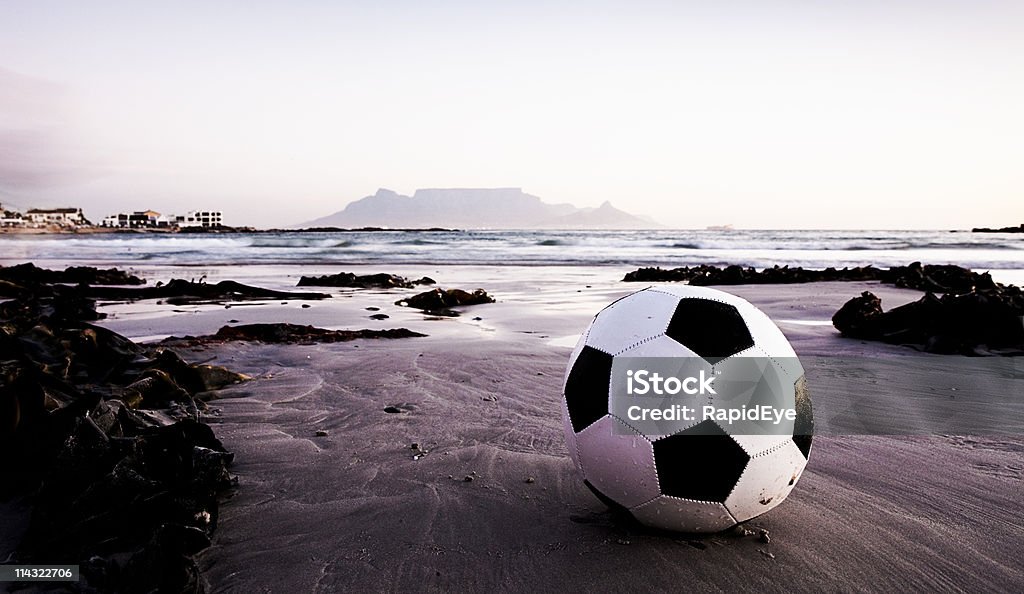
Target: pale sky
column 801, row 114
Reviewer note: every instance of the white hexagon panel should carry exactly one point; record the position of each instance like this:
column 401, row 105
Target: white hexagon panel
column 683, row 515
column 766, row 481
column 630, row 320
column 618, row 462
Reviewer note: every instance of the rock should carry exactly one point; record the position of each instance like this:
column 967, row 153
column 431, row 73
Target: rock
column 858, row 317
column 393, row 410
column 379, row 316
column 321, row 433
column 981, row 322
column 1019, row 229
column 529, row 480
column 375, row 281
column 440, row 299
column 763, row 536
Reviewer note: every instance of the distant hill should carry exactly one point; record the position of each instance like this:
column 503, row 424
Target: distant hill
column 486, row 208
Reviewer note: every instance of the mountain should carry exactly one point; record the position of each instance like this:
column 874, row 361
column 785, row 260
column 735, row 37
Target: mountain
column 605, row 216
column 484, row 208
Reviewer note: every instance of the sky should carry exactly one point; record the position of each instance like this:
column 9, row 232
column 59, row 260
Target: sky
column 798, row 114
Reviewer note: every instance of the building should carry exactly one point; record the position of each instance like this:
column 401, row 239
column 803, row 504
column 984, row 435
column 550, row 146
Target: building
column 148, row 219
column 61, row 217
column 140, row 219
column 10, row 218
column 132, row 220
column 167, row 220
column 201, row 218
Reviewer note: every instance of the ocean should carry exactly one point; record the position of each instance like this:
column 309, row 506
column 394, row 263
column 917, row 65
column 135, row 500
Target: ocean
column 1002, row 254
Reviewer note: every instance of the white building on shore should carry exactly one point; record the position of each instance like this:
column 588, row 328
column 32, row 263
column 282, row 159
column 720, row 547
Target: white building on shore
column 201, row 218
column 60, row 217
column 150, row 219
column 136, row 220
column 11, row 218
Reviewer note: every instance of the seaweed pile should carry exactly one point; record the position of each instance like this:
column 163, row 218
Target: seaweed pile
column 973, row 316
column 439, row 301
column 103, row 438
column 182, row 292
column 24, row 280
column 31, row 274
column 986, row 321
column 284, row 333
column 944, row 278
column 364, row 281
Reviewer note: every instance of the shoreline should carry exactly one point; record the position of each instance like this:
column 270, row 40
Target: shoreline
column 563, row 249
column 53, row 230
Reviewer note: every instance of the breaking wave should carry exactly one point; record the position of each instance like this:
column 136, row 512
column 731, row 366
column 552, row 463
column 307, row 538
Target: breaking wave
column 814, row 249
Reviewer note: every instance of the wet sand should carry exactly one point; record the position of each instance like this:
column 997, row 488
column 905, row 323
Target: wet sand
column 359, row 509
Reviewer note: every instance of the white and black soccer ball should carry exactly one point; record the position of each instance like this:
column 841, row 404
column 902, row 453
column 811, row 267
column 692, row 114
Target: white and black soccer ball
column 706, row 475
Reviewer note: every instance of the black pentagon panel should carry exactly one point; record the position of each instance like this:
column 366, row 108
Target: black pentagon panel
column 611, row 503
column 712, row 329
column 803, row 427
column 701, row 463
column 586, row 390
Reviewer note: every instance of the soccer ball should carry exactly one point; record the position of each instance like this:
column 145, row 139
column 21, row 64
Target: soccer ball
column 697, row 474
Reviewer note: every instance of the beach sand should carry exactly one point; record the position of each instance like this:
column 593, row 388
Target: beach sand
column 496, row 504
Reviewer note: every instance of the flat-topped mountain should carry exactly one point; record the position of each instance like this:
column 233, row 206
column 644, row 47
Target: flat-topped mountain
column 489, row 208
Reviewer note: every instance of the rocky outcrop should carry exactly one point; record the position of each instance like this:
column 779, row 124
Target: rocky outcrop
column 182, row 292
column 364, row 281
column 24, row 274
column 29, row 282
column 289, row 334
column 935, row 278
column 103, row 437
column 1019, row 229
column 980, row 322
column 439, row 301
column 176, row 292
